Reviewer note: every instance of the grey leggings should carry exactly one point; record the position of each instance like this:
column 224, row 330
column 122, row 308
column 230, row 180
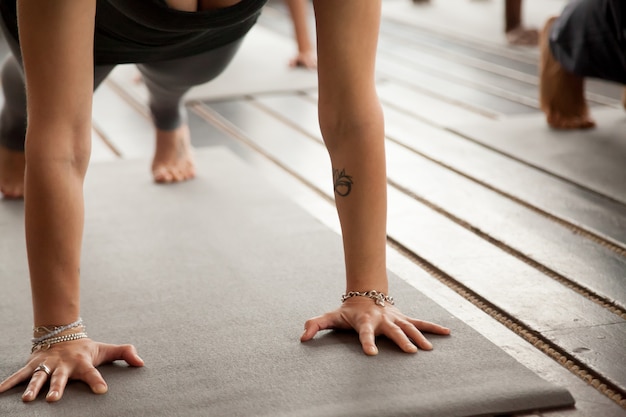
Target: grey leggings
column 167, row 83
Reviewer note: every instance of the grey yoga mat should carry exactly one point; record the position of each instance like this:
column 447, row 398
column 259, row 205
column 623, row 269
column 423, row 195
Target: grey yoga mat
column 212, row 281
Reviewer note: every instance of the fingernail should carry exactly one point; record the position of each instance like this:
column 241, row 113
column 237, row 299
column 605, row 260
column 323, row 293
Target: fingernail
column 372, row 350
column 411, row 347
column 100, row 389
column 27, row 394
column 52, row 395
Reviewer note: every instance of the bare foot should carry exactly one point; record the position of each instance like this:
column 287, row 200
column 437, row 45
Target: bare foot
column 173, row 160
column 12, row 165
column 522, row 36
column 561, row 93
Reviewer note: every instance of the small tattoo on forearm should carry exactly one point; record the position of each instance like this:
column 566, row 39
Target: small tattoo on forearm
column 343, row 182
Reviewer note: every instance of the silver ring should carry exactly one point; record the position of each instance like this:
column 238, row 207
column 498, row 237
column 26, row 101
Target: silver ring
column 42, row 367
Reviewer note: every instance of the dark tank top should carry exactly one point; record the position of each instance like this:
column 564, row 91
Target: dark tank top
column 137, row 31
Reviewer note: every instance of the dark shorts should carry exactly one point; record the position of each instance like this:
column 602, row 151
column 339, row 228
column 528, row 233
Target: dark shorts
column 589, row 39
column 142, row 31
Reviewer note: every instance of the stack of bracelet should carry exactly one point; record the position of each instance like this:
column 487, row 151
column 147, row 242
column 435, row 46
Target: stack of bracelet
column 58, row 334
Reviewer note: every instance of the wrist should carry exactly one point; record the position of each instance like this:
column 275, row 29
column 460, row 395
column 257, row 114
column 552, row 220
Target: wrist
column 380, row 298
column 46, row 336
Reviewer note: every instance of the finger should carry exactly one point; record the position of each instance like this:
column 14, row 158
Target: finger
column 367, row 339
column 427, row 326
column 399, row 337
column 15, row 379
column 109, row 353
column 58, row 382
column 34, row 386
column 324, row 322
column 418, row 338
column 94, row 379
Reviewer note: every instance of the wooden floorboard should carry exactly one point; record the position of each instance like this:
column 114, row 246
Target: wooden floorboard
column 556, row 197
column 428, row 107
column 451, row 90
column 404, row 34
column 468, row 50
column 126, row 128
column 481, row 76
column 496, row 59
column 608, row 342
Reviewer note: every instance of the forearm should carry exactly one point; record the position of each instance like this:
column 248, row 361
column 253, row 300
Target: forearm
column 351, row 121
column 359, row 179
column 54, row 226
column 56, row 39
column 298, row 12
column 352, row 125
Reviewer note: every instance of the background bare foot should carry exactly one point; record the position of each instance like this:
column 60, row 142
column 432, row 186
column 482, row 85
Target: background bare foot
column 173, row 160
column 561, row 94
column 523, row 36
column 12, row 165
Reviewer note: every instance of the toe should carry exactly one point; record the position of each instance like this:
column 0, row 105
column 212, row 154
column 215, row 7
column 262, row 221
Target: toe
column 161, row 175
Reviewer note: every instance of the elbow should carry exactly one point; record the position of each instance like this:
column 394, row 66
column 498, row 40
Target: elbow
column 68, row 146
column 354, row 127
column 350, row 116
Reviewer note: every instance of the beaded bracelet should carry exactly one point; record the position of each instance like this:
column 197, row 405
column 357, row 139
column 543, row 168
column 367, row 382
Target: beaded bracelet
column 54, row 331
column 379, row 298
column 45, row 345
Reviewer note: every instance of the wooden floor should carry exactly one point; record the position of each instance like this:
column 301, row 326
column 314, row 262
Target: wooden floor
column 504, row 236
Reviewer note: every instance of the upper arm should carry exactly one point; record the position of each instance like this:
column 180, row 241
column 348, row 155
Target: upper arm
column 56, row 38
column 347, row 39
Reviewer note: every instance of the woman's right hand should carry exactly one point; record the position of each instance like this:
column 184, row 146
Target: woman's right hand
column 76, row 360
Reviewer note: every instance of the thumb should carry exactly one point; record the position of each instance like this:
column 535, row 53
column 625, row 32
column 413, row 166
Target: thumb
column 109, row 353
column 327, row 321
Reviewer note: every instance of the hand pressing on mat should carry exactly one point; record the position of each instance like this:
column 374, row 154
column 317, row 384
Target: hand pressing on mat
column 73, row 360
column 370, row 320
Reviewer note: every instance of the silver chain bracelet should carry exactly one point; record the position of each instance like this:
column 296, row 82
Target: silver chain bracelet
column 379, row 298
column 45, row 345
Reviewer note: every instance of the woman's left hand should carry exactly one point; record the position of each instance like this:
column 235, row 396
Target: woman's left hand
column 306, row 60
column 371, row 320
